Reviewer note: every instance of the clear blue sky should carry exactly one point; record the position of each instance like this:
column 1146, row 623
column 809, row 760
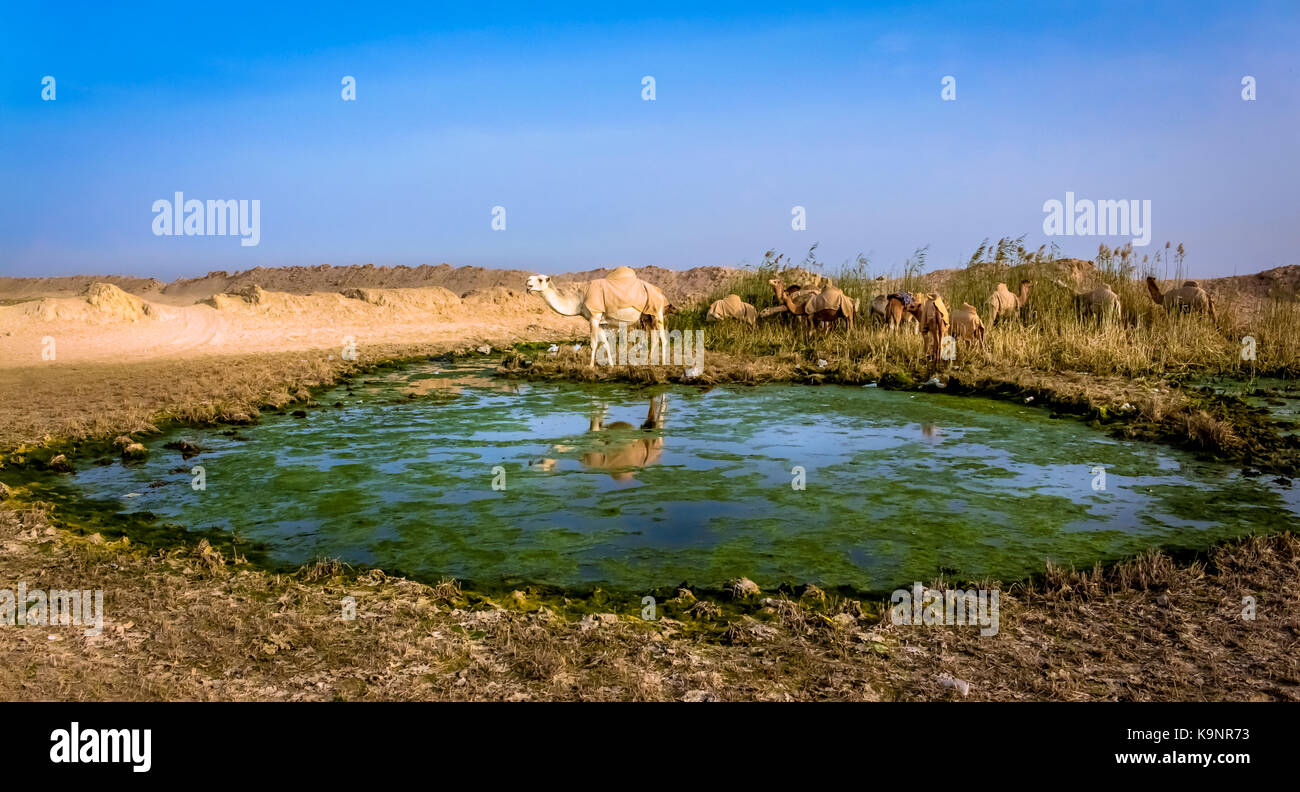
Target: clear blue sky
column 760, row 107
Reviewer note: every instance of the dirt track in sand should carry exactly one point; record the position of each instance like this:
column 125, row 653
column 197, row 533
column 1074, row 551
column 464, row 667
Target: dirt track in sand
column 290, row 308
column 78, row 331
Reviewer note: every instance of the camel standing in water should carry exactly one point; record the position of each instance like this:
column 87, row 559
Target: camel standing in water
column 619, row 299
column 1188, row 298
column 1004, row 305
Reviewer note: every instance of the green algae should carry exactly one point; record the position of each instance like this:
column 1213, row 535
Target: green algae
column 898, row 486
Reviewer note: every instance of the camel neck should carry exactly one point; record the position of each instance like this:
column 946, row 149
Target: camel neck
column 561, row 305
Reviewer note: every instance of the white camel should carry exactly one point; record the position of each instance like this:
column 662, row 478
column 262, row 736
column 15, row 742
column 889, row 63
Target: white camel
column 608, row 303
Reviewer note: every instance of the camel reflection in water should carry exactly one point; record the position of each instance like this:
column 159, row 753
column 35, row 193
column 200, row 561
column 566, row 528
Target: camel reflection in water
column 614, row 449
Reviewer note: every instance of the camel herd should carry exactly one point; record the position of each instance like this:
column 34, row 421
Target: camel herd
column 623, row 298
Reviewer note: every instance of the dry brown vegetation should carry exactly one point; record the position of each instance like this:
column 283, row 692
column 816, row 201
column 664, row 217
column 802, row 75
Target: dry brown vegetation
column 185, row 623
column 1147, row 342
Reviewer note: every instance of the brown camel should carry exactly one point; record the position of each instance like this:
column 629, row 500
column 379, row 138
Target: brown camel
column 1004, row 305
column 796, row 292
column 880, row 310
column 932, row 316
column 896, row 314
column 829, row 305
column 966, row 324
column 1188, row 298
column 1102, row 303
column 823, row 307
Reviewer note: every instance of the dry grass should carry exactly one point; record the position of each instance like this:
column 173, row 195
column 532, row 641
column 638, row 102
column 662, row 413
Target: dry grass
column 1146, row 343
column 185, row 624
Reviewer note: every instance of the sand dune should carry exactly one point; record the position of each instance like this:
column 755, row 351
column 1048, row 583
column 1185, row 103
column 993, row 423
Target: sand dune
column 678, row 285
column 107, row 323
column 88, row 318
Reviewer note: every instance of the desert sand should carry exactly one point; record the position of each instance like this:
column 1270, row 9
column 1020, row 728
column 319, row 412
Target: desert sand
column 90, row 318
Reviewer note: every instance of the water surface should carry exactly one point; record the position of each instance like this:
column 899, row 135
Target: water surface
column 897, row 486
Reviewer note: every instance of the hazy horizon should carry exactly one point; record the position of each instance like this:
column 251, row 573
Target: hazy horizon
column 759, row 108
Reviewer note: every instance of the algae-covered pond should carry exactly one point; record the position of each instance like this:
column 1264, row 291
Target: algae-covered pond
column 896, row 486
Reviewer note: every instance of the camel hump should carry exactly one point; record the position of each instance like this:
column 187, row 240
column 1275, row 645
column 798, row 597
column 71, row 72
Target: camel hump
column 729, row 307
column 1192, row 284
column 623, row 289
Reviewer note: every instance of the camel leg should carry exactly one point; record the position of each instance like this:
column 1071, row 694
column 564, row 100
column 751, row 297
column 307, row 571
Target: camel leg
column 652, row 338
column 595, row 336
column 659, row 330
column 608, row 345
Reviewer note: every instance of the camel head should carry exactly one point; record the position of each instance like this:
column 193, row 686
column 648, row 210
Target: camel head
column 1154, row 291
column 538, row 283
